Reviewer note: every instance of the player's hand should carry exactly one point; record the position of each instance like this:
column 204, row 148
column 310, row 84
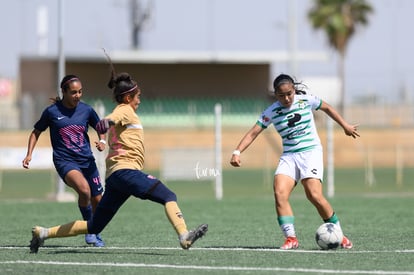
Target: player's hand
column 235, row 161
column 351, row 130
column 103, row 125
column 100, row 146
column 26, row 162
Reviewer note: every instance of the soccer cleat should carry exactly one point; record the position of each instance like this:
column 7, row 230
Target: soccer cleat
column 346, row 243
column 187, row 239
column 95, row 240
column 90, row 238
column 290, row 243
column 39, row 235
column 99, row 242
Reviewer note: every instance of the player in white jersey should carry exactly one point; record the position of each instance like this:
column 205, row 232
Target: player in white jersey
column 302, row 158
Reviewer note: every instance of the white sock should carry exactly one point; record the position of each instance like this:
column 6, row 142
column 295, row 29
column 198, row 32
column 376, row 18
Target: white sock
column 288, row 230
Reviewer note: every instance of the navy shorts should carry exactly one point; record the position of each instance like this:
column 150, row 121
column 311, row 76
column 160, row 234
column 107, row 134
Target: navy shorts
column 136, row 183
column 89, row 171
column 122, row 184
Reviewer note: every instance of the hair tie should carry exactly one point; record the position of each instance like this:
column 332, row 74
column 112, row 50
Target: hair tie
column 283, row 81
column 130, row 90
column 67, row 81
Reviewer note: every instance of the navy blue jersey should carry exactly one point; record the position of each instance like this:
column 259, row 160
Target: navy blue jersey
column 69, row 131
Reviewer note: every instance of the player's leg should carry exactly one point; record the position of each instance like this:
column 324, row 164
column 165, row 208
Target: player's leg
column 99, row 242
column 148, row 187
column 314, row 193
column 283, row 186
column 116, row 194
column 40, row 234
column 91, row 174
column 76, row 180
column 94, row 201
column 161, row 194
column 73, row 177
column 107, row 207
column 311, row 173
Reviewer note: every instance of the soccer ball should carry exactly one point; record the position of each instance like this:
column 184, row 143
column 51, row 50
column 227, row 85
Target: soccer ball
column 329, row 236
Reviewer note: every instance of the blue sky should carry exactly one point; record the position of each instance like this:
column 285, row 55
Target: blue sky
column 379, row 58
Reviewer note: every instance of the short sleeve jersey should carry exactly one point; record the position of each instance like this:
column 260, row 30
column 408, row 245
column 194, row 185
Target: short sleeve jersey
column 296, row 124
column 125, row 140
column 69, row 131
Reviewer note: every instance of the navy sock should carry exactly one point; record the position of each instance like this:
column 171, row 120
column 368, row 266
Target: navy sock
column 86, row 212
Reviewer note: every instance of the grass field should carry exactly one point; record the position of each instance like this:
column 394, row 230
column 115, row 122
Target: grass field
column 237, row 182
column 243, row 233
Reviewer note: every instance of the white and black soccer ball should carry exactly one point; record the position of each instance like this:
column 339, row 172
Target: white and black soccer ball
column 329, row 236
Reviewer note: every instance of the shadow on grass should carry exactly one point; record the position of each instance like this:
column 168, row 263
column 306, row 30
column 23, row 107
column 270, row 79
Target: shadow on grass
column 99, row 250
column 61, row 249
column 262, row 248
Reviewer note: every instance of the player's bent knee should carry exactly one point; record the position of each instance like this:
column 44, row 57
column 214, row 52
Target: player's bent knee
column 162, row 194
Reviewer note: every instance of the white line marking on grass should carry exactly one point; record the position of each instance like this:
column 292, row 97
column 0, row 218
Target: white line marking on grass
column 206, row 267
column 247, row 249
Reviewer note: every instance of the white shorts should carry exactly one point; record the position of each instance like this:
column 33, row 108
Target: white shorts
column 302, row 165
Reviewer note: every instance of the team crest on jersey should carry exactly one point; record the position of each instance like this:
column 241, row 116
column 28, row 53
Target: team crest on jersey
column 301, row 104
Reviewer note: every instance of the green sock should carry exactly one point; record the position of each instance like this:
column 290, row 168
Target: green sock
column 332, row 219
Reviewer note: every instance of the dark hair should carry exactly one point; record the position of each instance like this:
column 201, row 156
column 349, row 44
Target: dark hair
column 64, row 84
column 121, row 84
column 284, row 78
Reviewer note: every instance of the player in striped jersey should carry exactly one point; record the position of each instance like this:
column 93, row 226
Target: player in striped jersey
column 302, row 158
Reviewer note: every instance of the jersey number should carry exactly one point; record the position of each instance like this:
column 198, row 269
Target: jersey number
column 292, row 119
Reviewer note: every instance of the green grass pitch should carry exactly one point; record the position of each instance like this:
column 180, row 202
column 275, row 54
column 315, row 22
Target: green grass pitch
column 243, row 233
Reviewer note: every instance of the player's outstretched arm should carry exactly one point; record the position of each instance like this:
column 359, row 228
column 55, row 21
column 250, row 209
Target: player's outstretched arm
column 245, row 142
column 34, row 136
column 103, row 125
column 349, row 129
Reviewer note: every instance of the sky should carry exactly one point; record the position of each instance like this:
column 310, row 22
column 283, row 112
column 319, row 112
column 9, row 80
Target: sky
column 379, row 60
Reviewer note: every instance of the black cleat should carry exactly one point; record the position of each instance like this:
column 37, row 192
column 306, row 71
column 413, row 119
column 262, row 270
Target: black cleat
column 187, row 239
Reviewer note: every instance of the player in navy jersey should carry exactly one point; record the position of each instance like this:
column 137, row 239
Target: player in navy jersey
column 302, row 158
column 68, row 121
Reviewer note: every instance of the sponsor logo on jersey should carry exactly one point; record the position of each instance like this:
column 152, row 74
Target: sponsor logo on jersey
column 296, row 134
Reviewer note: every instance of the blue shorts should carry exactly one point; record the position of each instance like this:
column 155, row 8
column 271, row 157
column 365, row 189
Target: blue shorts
column 122, row 184
column 89, row 171
column 129, row 182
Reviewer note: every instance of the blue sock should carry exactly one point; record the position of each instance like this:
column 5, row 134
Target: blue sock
column 86, row 212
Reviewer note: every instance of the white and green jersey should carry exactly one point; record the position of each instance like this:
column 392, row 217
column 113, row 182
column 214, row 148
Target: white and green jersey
column 295, row 124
